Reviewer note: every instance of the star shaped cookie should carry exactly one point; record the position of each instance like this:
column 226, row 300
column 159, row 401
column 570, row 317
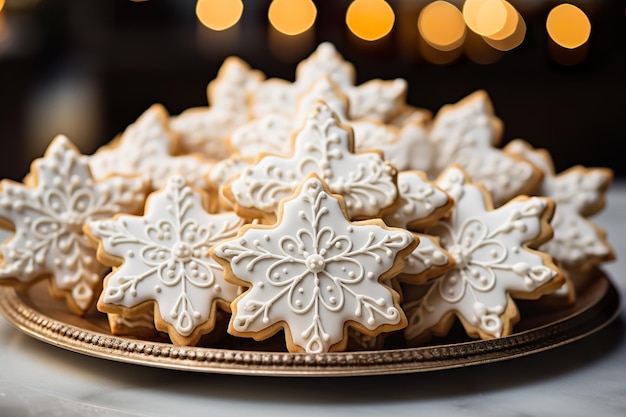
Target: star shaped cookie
column 162, row 259
column 579, row 192
column 148, row 147
column 494, row 263
column 324, row 146
column 48, row 216
column 204, row 130
column 376, row 100
column 467, row 133
column 314, row 273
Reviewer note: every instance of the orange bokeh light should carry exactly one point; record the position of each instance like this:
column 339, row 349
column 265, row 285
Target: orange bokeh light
column 370, row 19
column 292, row 17
column 485, row 17
column 568, row 26
column 441, row 25
column 219, row 14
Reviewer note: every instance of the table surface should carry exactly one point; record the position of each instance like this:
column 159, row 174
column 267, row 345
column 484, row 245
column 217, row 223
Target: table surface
column 586, row 377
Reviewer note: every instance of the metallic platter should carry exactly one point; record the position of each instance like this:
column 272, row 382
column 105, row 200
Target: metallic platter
column 543, row 327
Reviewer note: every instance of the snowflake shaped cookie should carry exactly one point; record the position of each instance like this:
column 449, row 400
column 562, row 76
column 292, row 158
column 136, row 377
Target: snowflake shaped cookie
column 422, row 203
column 147, row 147
column 325, row 147
column 404, row 146
column 427, row 260
column 204, row 130
column 271, row 133
column 579, row 192
column 407, row 146
column 493, row 263
column 162, row 258
column 466, row 133
column 315, row 273
column 376, row 100
column 48, row 217
column 220, row 175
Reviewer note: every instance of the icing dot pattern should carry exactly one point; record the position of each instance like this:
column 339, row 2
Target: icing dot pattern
column 578, row 243
column 318, row 273
column 172, row 266
column 49, row 217
column 324, row 147
column 146, row 148
column 490, row 264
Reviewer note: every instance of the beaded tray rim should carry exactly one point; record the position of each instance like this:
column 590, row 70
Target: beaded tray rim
column 598, row 308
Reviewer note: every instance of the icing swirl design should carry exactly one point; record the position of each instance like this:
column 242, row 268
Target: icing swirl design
column 48, row 220
column 579, row 192
column 166, row 260
column 422, row 203
column 492, row 262
column 375, row 100
column 324, row 147
column 314, row 273
column 146, row 148
column 465, row 133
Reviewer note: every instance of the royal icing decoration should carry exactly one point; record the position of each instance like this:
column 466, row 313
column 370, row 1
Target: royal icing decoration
column 493, row 263
column 404, row 147
column 579, row 192
column 465, row 133
column 268, row 134
column 315, row 273
column 165, row 260
column 375, row 100
column 220, row 175
column 146, row 147
column 204, row 129
column 422, row 203
column 407, row 147
column 271, row 133
column 323, row 146
column 48, row 218
column 427, row 260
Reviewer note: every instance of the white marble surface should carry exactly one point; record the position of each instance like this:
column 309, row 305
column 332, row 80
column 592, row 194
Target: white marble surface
column 584, row 378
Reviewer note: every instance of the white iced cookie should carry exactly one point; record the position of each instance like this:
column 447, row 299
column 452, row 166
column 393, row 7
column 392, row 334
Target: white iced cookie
column 48, row 217
column 579, row 192
column 272, row 132
column 325, row 147
column 163, row 258
column 140, row 325
column 494, row 263
column 315, row 274
column 375, row 100
column 147, row 147
column 219, row 176
column 324, row 90
column 268, row 134
column 407, row 147
column 204, row 130
column 408, row 114
column 404, row 147
column 466, row 133
column 422, row 203
column 427, row 260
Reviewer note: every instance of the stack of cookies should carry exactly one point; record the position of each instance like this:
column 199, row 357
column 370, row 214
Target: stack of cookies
column 332, row 212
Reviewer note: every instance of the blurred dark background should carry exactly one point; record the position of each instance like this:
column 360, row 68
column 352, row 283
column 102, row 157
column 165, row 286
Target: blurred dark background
column 88, row 68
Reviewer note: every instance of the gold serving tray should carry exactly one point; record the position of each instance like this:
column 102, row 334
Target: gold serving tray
column 543, row 327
